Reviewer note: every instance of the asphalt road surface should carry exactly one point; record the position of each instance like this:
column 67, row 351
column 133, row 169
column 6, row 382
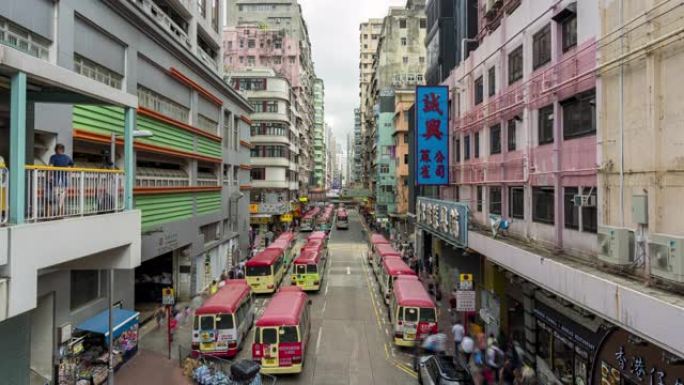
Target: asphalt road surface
column 350, row 341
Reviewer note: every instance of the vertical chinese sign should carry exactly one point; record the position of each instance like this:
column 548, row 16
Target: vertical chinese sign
column 432, row 135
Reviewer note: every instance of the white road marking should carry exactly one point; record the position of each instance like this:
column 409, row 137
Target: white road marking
column 326, row 288
column 318, row 340
column 324, row 305
column 348, row 270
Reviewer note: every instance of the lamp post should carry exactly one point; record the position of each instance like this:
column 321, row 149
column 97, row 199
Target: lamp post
column 110, row 294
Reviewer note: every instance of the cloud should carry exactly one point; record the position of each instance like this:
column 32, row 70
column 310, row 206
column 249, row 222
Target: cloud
column 334, row 33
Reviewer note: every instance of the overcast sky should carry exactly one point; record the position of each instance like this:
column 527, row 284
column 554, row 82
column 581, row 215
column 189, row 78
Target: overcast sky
column 334, row 32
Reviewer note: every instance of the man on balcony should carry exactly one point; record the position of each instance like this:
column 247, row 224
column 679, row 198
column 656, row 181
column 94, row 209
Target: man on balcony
column 59, row 179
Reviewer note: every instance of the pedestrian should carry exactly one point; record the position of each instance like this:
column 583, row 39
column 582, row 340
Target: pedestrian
column 458, row 331
column 231, row 274
column 159, row 316
column 268, row 237
column 507, row 373
column 435, row 343
column 494, row 358
column 59, row 179
column 188, row 312
column 213, row 288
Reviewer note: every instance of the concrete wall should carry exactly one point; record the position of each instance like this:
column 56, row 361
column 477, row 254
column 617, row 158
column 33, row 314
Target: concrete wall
column 14, row 361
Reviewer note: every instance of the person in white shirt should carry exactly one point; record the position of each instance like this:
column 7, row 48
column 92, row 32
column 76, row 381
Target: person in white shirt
column 458, row 331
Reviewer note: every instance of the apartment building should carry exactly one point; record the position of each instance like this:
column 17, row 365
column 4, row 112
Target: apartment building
column 357, row 169
column 133, row 92
column 369, row 35
column 319, row 149
column 274, row 179
column 403, row 100
column 539, row 171
column 275, row 35
column 399, row 64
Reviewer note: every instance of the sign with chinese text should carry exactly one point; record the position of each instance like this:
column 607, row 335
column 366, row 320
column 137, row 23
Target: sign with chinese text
column 432, row 135
column 253, row 208
column 465, row 300
column 286, row 218
column 446, row 219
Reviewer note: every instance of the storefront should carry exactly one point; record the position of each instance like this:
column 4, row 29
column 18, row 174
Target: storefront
column 567, row 341
column 84, row 358
column 625, row 359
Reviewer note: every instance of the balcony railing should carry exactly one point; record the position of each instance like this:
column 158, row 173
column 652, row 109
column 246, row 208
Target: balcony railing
column 163, row 20
column 23, row 40
column 56, row 192
column 208, row 59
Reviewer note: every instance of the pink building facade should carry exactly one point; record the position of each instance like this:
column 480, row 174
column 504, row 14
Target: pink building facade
column 523, row 122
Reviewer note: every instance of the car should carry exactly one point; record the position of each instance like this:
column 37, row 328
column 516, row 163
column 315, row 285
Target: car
column 441, row 370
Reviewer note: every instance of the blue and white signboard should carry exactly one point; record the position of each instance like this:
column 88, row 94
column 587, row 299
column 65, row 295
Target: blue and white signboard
column 432, row 135
column 445, row 219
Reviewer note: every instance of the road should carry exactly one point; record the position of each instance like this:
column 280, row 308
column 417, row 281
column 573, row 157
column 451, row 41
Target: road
column 350, row 341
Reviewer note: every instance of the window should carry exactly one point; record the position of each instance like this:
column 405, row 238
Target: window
column 97, row 72
column 466, row 147
column 479, row 90
column 569, row 32
column 457, row 148
column 154, row 101
column 224, row 321
column 85, row 287
column 516, row 202
column 545, row 124
column 406, row 158
column 384, row 169
column 277, row 44
column 542, row 205
column 477, row 145
column 541, row 47
column 258, row 174
column 495, row 139
column 365, row 36
column 405, row 59
column 491, row 75
column 421, row 60
column 403, row 41
column 251, row 60
column 571, row 211
column 479, row 198
column 402, row 23
column 423, row 23
column 515, row 65
column 579, row 115
column 236, row 175
column 251, row 43
column 495, row 200
column 276, row 60
column 512, row 146
column 590, row 214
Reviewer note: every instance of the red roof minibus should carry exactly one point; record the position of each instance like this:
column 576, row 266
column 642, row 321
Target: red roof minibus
column 375, row 239
column 308, row 269
column 382, row 251
column 392, row 267
column 221, row 324
column 282, row 332
column 342, row 219
column 412, row 311
column 265, row 270
column 285, row 242
column 318, row 235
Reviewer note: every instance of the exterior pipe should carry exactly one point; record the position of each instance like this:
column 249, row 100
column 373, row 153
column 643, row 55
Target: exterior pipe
column 622, row 122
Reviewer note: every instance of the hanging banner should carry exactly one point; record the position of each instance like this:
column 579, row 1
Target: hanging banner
column 432, row 135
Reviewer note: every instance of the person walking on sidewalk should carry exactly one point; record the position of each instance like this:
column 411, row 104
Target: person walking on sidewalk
column 458, row 331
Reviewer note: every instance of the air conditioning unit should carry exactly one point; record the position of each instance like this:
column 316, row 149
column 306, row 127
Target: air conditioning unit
column 667, row 256
column 616, row 245
column 584, row 200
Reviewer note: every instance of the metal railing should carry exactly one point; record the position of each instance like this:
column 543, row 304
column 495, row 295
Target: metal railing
column 161, row 181
column 164, row 20
column 207, row 182
column 4, row 204
column 17, row 37
column 58, row 192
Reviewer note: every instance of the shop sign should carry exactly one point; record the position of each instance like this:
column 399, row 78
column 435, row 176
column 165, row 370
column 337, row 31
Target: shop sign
column 274, row 208
column 304, row 199
column 286, row 218
column 261, row 220
column 465, row 300
column 253, row 208
column 167, row 242
column 627, row 359
column 446, row 219
column 432, row 135
column 168, row 297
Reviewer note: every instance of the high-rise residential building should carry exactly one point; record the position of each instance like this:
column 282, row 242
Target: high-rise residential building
column 399, row 63
column 277, row 39
column 369, row 35
column 563, row 161
column 319, row 149
column 275, row 145
column 159, row 146
column 403, row 100
column 329, row 149
column 357, row 175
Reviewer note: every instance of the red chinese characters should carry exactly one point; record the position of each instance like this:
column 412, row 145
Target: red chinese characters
column 431, row 103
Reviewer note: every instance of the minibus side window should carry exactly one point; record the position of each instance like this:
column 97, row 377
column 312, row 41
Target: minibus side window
column 257, row 335
column 400, row 311
column 195, row 323
column 288, row 334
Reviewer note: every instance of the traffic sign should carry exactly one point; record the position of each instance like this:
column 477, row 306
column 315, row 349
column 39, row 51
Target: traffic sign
column 168, row 297
column 465, row 281
column 465, row 300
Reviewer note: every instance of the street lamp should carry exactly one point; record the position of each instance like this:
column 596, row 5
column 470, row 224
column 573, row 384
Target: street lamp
column 110, row 328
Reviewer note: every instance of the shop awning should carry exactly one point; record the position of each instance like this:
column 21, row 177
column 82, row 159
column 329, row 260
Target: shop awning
column 123, row 320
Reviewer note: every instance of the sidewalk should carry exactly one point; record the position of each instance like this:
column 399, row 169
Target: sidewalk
column 151, row 368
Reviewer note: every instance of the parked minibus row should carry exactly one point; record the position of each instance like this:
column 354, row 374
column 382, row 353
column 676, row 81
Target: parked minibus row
column 411, row 309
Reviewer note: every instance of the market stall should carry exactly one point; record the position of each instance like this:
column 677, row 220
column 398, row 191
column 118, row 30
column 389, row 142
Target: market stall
column 85, row 358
